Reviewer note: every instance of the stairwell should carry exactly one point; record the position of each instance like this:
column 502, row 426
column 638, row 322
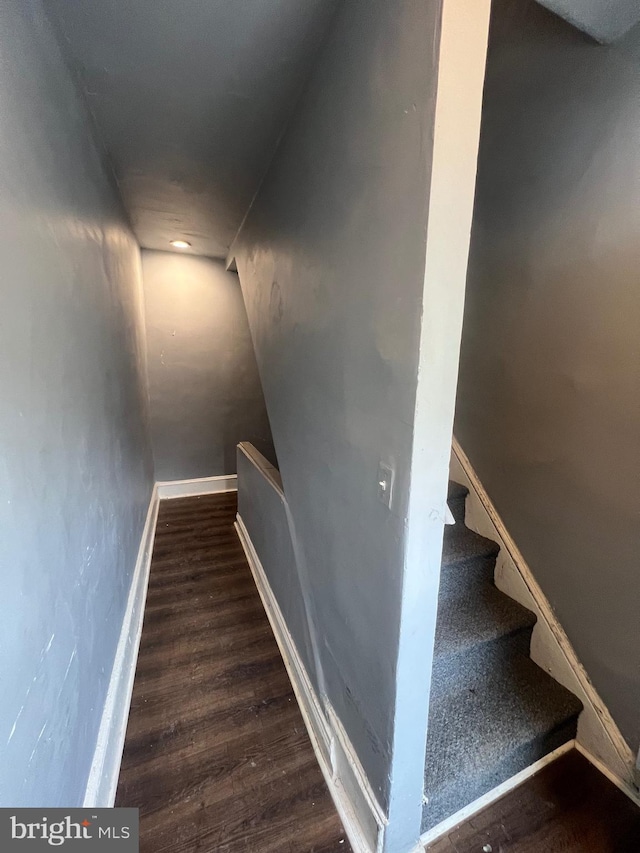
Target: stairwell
column 493, row 711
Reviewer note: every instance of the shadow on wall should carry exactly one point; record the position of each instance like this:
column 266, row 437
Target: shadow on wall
column 75, row 458
column 204, row 387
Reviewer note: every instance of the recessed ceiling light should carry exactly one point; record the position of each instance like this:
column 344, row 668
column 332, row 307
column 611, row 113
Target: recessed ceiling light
column 180, row 244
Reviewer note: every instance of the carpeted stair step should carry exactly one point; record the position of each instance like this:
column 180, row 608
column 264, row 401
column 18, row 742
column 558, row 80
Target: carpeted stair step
column 462, row 545
column 493, row 712
column 467, row 559
column 487, row 724
column 471, row 623
column 456, row 499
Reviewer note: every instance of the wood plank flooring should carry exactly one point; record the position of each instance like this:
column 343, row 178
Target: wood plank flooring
column 568, row 807
column 216, row 756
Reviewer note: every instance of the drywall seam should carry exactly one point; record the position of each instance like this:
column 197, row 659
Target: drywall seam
column 326, row 739
column 491, row 796
column 200, row 486
column 105, row 767
column 550, row 646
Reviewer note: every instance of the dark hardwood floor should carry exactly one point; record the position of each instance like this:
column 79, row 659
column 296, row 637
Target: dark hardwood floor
column 216, row 756
column 568, row 807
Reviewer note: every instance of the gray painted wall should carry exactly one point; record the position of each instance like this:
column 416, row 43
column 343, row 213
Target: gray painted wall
column 75, row 461
column 204, row 386
column 549, row 394
column 331, row 262
column 264, row 512
column 605, row 20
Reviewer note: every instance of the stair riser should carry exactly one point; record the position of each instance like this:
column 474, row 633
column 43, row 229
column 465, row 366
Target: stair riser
column 453, row 666
column 461, row 578
column 457, row 796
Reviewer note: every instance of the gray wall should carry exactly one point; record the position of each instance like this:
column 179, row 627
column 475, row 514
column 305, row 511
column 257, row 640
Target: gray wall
column 265, row 514
column 605, row 20
column 331, row 263
column 75, row 462
column 549, row 395
column 203, row 381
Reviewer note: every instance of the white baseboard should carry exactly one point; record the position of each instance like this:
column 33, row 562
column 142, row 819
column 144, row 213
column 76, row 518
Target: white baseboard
column 200, row 486
column 105, row 767
column 491, row 796
column 550, row 646
column 361, row 814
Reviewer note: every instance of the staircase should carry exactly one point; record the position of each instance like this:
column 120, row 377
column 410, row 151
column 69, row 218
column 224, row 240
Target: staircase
column 493, row 711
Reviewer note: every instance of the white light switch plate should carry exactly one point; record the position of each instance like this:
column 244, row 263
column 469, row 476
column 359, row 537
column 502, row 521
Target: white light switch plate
column 385, row 484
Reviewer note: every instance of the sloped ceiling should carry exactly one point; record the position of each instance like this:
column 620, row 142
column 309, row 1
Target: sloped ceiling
column 604, row 20
column 190, row 97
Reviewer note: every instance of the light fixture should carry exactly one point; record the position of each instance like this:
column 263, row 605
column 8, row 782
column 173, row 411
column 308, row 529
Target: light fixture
column 180, row 244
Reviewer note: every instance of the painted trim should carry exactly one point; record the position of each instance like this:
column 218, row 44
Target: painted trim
column 551, row 649
column 344, row 753
column 491, row 796
column 168, row 489
column 105, row 767
column 268, row 471
column 361, row 814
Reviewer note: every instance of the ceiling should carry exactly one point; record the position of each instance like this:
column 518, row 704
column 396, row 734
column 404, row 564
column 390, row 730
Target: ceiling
column 190, row 98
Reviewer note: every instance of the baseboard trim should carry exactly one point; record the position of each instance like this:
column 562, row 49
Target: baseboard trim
column 168, row 489
column 550, row 647
column 355, row 802
column 485, row 800
column 105, row 767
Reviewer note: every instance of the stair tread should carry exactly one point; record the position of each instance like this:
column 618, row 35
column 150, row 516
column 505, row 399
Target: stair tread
column 449, row 800
column 461, row 545
column 487, row 715
column 456, row 490
column 479, row 617
column 493, row 711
